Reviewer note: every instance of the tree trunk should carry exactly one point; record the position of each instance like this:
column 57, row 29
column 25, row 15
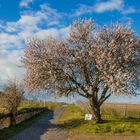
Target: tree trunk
column 96, row 111
column 12, row 119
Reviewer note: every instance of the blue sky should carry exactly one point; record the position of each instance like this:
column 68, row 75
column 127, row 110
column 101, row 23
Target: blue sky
column 102, row 11
column 22, row 19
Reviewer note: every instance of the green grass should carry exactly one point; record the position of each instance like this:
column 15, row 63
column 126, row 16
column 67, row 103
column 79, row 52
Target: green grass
column 1, row 114
column 107, row 128
column 25, row 106
column 49, row 105
column 73, row 120
column 7, row 133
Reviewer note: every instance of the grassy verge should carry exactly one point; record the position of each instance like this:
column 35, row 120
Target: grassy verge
column 73, row 120
column 49, row 105
column 1, row 114
column 11, row 131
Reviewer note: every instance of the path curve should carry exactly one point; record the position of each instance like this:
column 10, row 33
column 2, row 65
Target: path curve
column 46, row 128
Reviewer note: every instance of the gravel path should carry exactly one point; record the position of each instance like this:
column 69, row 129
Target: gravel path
column 46, row 128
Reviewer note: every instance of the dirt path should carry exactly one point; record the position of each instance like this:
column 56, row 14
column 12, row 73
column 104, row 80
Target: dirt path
column 46, row 128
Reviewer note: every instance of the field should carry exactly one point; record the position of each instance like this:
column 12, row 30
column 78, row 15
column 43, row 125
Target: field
column 120, row 120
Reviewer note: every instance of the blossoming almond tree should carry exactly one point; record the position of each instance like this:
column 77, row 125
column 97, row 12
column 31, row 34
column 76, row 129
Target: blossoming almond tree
column 92, row 62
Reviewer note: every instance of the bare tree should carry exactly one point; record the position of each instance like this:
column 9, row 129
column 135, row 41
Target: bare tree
column 93, row 62
column 11, row 98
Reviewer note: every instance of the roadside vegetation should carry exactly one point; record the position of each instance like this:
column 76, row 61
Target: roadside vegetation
column 115, row 123
column 26, row 105
column 33, row 104
column 1, row 114
column 10, row 99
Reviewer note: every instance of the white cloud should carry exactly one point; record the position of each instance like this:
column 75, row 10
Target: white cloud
column 25, row 3
column 14, row 35
column 4, row 38
column 109, row 6
column 129, row 10
column 100, row 7
column 10, row 63
column 83, row 9
column 32, row 19
column 56, row 33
